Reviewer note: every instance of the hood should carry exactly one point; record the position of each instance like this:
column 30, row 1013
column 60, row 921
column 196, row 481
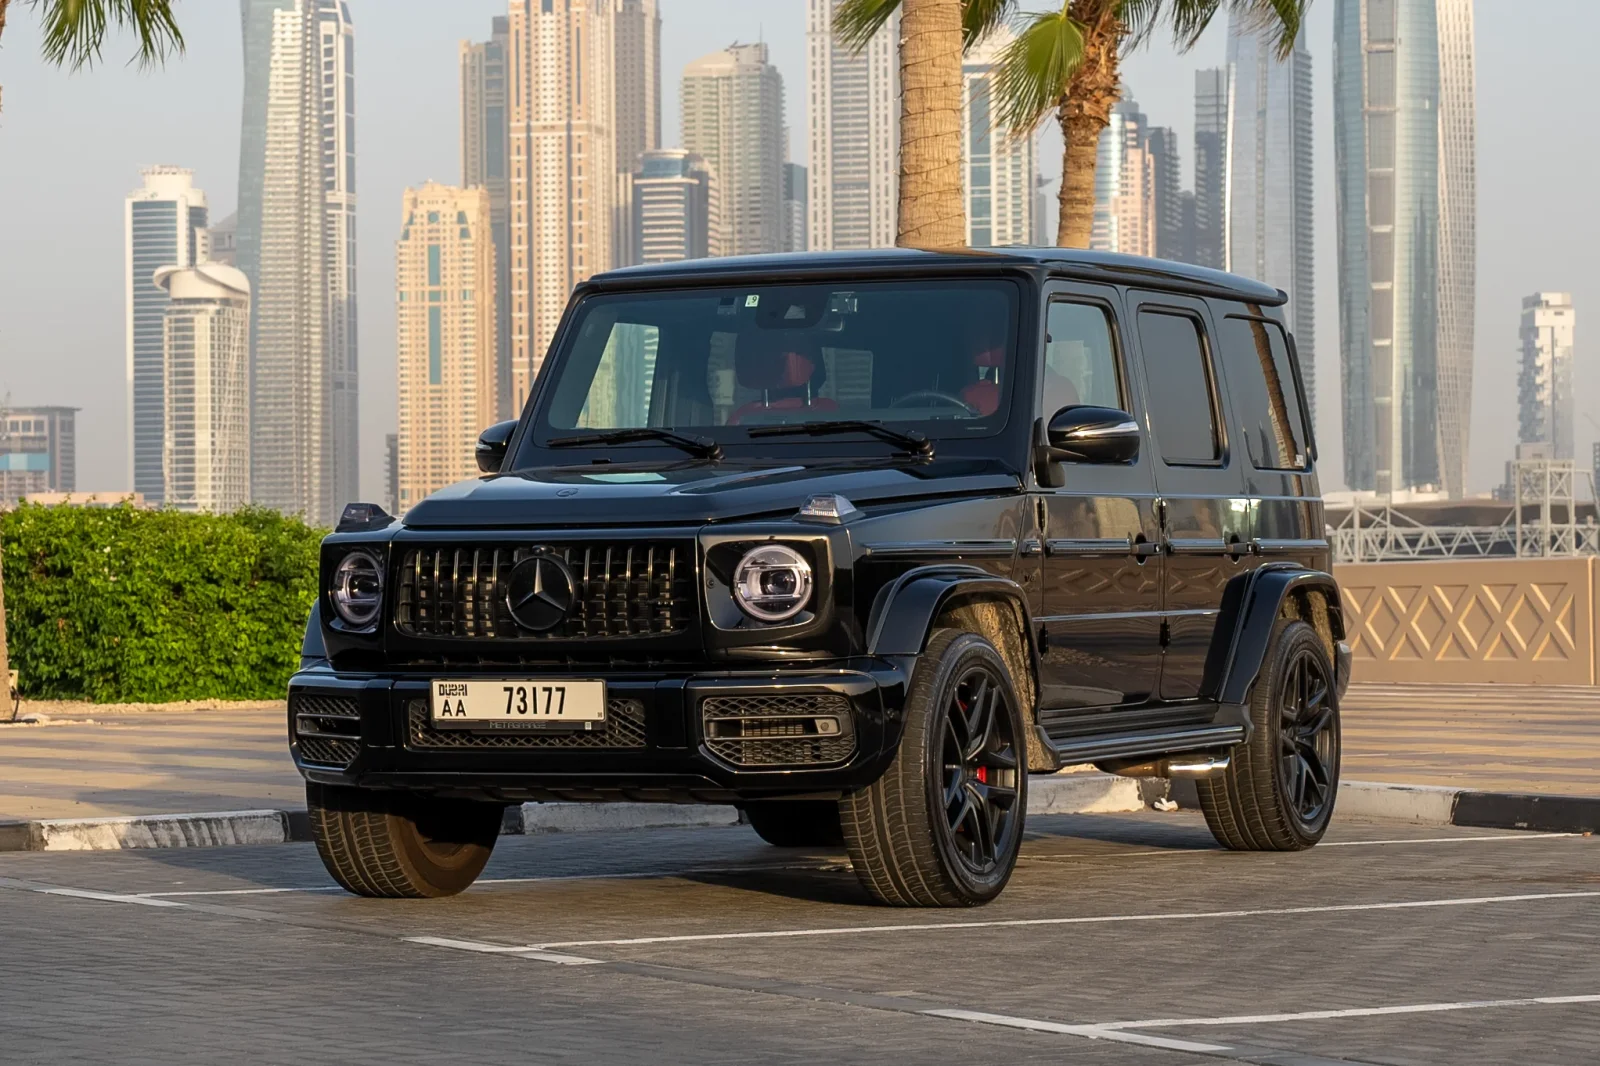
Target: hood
column 692, row 493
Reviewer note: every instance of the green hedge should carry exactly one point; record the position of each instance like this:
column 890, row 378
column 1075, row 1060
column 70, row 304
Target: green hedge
column 117, row 604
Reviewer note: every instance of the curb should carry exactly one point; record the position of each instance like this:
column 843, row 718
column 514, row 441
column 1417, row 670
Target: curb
column 1432, row 805
column 1070, row 794
column 1064, row 794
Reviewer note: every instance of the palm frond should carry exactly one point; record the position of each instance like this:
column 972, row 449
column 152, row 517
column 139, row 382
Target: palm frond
column 75, row 30
column 1188, row 20
column 980, row 17
column 855, row 21
column 1033, row 71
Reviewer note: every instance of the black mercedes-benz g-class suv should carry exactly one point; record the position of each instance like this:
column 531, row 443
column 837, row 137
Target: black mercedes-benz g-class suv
column 855, row 542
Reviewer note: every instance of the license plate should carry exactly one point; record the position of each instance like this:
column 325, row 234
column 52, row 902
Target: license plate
column 520, row 704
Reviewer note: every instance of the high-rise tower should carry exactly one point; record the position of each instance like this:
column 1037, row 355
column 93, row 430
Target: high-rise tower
column 282, row 248
column 563, row 161
column 1545, row 400
column 485, row 153
column 1210, row 166
column 165, row 225
column 733, row 118
column 852, row 134
column 1269, row 178
column 336, row 113
column 444, row 343
column 999, row 168
column 206, row 444
column 1404, row 133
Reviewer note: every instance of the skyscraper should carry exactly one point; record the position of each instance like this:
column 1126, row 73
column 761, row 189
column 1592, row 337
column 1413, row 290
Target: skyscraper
column 1403, row 146
column 563, row 166
column 675, row 207
column 337, row 119
column 636, row 41
column 206, row 445
column 485, row 129
column 282, row 250
column 1269, row 178
column 852, row 134
column 796, row 210
column 1124, row 185
column 165, row 225
column 1545, row 400
column 38, row 451
column 1210, row 166
column 999, row 168
column 1170, row 240
column 444, row 341
column 733, row 117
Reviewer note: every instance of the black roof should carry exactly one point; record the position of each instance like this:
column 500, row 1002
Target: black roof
column 1110, row 267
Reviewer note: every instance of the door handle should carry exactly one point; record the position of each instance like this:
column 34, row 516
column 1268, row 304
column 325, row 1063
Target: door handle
column 1142, row 549
column 1237, row 548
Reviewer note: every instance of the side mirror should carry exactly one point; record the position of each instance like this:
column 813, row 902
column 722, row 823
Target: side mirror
column 491, row 450
column 1086, row 434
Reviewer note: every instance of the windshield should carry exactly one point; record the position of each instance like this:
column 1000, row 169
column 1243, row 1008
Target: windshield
column 934, row 356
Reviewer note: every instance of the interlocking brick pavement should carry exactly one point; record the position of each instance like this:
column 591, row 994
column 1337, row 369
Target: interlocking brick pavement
column 317, row 975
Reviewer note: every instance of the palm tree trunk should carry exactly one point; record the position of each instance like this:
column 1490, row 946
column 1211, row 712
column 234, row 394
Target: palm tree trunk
column 5, row 666
column 932, row 212
column 1082, row 112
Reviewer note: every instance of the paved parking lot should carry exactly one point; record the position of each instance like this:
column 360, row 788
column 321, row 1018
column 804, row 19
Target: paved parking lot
column 1122, row 939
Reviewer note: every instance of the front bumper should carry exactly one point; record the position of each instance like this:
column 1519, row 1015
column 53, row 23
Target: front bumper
column 372, row 730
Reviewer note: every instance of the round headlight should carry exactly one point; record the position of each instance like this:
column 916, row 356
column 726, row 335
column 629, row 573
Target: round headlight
column 357, row 592
column 772, row 583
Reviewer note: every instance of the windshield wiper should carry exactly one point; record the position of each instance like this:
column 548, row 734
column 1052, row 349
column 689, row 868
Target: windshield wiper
column 910, row 441
column 701, row 447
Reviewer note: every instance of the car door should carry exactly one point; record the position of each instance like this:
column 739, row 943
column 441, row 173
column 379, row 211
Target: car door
column 1095, row 531
column 1271, row 419
column 1201, row 503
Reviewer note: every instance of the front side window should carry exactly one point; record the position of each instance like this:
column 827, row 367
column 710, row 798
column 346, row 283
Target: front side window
column 1080, row 362
column 1261, row 381
column 1182, row 394
column 936, row 356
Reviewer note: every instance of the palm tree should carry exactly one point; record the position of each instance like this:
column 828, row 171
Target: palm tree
column 1069, row 61
column 932, row 212
column 75, row 30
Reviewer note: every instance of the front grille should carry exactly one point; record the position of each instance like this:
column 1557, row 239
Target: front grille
column 327, row 728
column 624, row 728
column 777, row 730
column 621, row 589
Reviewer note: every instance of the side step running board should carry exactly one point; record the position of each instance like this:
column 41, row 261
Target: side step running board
column 1074, row 750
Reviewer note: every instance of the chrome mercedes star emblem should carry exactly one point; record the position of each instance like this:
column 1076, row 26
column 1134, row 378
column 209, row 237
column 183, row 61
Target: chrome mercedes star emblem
column 539, row 594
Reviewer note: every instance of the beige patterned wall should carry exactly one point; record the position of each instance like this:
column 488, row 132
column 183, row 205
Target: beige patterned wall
column 1517, row 621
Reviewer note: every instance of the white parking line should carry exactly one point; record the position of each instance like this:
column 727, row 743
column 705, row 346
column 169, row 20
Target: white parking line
column 1009, row 923
column 1353, row 1012
column 646, row 874
column 107, row 897
column 503, row 949
column 1093, row 1032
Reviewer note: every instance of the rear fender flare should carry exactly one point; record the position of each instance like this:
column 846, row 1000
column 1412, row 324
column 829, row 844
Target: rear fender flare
column 1251, row 606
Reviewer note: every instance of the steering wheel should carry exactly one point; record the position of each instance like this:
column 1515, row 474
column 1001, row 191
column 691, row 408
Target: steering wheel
column 934, row 394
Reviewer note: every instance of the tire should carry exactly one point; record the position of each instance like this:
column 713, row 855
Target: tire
column 796, row 823
column 1279, row 789
column 401, row 845
column 943, row 825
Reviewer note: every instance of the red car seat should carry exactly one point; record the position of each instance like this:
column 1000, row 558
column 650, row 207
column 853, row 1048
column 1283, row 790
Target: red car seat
column 984, row 394
column 777, row 364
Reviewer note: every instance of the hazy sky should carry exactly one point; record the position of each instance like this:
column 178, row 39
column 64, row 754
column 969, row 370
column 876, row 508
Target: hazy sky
column 71, row 148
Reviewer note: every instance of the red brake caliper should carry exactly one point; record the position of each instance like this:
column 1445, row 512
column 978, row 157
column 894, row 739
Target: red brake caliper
column 983, row 775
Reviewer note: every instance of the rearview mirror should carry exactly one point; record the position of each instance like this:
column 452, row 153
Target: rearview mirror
column 1086, row 434
column 491, row 450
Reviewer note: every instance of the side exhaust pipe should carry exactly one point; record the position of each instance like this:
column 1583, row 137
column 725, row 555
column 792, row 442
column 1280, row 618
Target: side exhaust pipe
column 1197, row 764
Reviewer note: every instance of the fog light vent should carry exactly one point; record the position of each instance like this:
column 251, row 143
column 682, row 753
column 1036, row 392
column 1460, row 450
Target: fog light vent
column 789, row 730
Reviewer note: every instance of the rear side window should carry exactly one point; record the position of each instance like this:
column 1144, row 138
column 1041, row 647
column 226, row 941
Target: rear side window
column 1262, row 381
column 1182, row 394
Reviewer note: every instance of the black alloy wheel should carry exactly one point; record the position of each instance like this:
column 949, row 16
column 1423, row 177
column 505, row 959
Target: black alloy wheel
column 980, row 765
column 1308, row 746
column 1280, row 786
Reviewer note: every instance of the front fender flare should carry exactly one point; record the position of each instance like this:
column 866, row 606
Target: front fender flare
column 1251, row 605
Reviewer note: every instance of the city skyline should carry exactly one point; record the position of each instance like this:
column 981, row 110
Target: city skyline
column 1489, row 444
